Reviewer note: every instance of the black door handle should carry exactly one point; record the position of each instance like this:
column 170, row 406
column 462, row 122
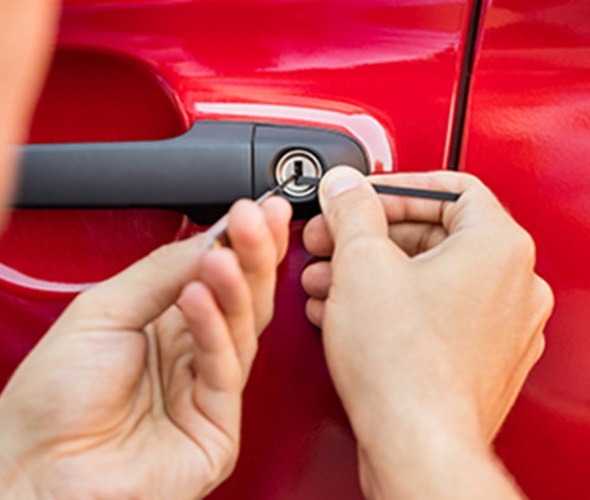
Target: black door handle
column 199, row 173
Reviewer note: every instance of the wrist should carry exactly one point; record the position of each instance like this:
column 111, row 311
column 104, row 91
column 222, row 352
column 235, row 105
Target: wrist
column 427, row 460
column 395, row 422
column 390, row 463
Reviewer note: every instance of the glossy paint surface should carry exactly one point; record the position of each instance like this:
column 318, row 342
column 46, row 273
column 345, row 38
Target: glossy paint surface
column 383, row 70
column 91, row 96
column 529, row 139
column 393, row 59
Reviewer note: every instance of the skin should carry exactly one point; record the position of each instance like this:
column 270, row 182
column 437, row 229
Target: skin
column 432, row 318
column 135, row 392
column 26, row 33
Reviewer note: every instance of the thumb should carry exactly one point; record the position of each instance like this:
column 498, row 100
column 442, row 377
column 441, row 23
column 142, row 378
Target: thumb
column 138, row 295
column 351, row 207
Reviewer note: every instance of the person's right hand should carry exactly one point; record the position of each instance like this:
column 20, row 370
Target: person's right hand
column 432, row 313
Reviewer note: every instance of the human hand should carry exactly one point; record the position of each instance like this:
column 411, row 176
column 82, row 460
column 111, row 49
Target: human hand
column 432, row 314
column 136, row 390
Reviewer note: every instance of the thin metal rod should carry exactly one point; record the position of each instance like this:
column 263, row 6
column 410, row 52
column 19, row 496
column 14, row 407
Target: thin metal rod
column 217, row 234
column 428, row 194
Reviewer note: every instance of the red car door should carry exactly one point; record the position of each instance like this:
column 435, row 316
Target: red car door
column 391, row 73
column 528, row 137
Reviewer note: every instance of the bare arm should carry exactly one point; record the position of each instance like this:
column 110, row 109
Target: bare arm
column 425, row 462
column 26, row 42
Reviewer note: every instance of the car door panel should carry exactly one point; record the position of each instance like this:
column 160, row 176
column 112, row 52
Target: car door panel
column 528, row 137
column 383, row 71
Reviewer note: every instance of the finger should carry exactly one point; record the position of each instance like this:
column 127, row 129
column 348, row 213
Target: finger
column 316, row 280
column 314, row 310
column 175, row 346
column 316, row 237
column 211, row 405
column 475, row 204
column 351, row 207
column 215, row 352
column 412, row 237
column 278, row 213
column 139, row 294
column 254, row 245
column 417, row 237
column 544, row 301
column 221, row 272
column 405, row 209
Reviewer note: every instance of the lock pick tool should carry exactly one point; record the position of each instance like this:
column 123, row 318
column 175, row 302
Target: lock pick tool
column 216, row 235
column 428, row 194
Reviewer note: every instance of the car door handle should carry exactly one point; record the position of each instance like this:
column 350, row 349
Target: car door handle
column 198, row 173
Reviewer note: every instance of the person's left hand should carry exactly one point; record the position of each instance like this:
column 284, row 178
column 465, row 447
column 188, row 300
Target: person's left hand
column 136, row 390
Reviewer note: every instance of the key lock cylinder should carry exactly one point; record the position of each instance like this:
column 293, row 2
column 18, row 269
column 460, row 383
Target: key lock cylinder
column 295, row 164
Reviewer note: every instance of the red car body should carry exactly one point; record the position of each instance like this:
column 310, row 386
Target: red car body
column 499, row 89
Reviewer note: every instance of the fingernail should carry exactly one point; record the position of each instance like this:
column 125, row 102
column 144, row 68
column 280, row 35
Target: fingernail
column 340, row 180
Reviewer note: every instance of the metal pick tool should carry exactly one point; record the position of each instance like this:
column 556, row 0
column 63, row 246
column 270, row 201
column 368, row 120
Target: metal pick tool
column 427, row 194
column 216, row 235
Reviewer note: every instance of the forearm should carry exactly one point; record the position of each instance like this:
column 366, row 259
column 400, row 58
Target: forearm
column 433, row 465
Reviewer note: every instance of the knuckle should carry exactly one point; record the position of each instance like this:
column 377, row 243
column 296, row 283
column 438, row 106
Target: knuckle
column 539, row 344
column 524, row 244
column 545, row 296
column 231, row 260
column 474, row 184
column 517, row 245
column 479, row 190
column 470, row 180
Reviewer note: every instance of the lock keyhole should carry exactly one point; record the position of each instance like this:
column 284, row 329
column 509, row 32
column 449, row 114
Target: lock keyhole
column 298, row 162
